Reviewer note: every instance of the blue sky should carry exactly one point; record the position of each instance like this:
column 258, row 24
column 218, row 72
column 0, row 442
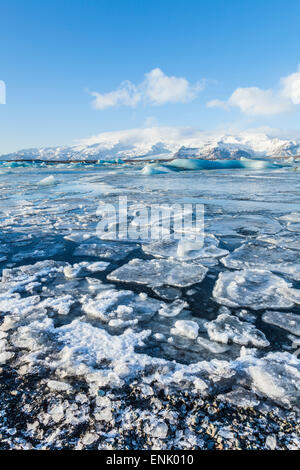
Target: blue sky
column 239, row 59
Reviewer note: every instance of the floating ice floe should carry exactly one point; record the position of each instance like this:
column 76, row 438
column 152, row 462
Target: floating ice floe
column 156, row 273
column 185, row 249
column 229, row 328
column 250, row 225
column 254, row 288
column 111, row 251
column 284, row 240
column 285, row 320
column 212, row 346
column 292, row 220
column 293, row 227
column 264, row 256
column 293, row 217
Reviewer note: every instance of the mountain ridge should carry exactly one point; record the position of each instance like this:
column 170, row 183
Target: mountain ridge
column 166, row 143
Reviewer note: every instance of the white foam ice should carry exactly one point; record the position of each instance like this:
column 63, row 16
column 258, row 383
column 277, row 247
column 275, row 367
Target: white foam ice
column 228, row 328
column 84, row 268
column 254, row 288
column 16, row 279
column 154, row 273
column 112, row 304
column 60, row 304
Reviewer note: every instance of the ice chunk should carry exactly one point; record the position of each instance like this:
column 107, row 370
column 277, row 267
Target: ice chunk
column 212, row 346
column 157, row 429
column 254, row 288
column 285, row 320
column 185, row 249
column 271, row 443
column 111, row 251
column 278, row 377
column 49, row 181
column 59, row 386
column 156, row 273
column 186, row 328
column 6, row 356
column 241, row 398
column 97, row 266
column 264, row 256
column 154, row 169
column 229, row 328
column 167, row 293
column 173, row 309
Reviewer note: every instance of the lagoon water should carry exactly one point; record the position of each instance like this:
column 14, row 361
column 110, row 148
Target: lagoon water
column 103, row 314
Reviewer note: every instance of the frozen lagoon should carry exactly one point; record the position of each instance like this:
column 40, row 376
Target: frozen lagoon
column 101, row 339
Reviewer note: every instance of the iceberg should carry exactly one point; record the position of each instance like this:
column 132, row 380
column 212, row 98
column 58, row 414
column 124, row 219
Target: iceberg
column 197, row 164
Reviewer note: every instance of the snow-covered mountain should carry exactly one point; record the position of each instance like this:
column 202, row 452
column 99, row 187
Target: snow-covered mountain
column 165, row 143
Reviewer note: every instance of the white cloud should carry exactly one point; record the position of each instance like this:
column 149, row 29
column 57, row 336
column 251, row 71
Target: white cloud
column 254, row 101
column 291, row 87
column 157, row 89
column 218, row 104
column 127, row 95
column 160, row 89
